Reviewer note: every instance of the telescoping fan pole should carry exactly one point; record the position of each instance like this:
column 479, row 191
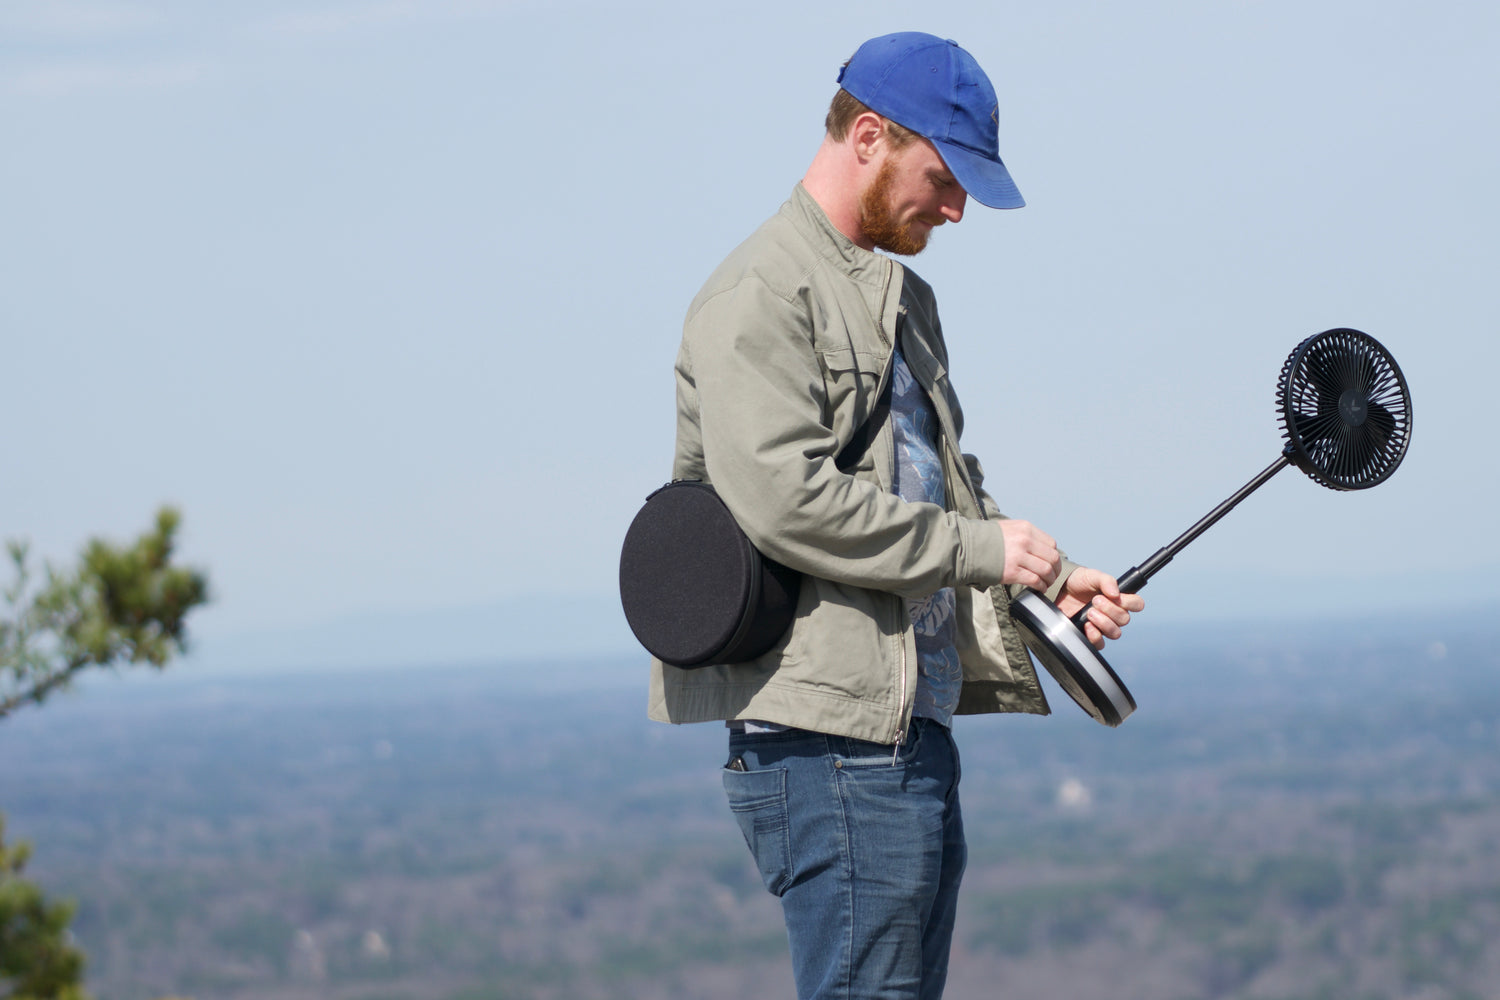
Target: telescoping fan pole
column 1134, row 578
column 1346, row 415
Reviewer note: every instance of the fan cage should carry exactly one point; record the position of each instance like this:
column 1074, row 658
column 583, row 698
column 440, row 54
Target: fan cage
column 1345, row 410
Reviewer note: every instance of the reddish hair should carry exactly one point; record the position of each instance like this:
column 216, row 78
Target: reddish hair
column 845, row 107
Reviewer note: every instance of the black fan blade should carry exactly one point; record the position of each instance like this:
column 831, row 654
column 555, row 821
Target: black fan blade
column 1344, row 409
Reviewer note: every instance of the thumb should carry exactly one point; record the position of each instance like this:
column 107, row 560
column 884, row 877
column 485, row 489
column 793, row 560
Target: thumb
column 1108, row 585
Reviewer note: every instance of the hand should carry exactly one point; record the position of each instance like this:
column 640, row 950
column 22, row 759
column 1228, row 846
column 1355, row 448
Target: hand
column 1031, row 556
column 1109, row 610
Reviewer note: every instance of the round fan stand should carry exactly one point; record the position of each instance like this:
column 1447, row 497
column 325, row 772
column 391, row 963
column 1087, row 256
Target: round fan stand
column 1346, row 416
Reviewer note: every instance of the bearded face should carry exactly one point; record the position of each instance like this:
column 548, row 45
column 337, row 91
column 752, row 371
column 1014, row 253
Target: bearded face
column 881, row 221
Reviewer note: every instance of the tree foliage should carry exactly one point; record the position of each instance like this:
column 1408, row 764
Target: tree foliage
column 122, row 604
column 38, row 961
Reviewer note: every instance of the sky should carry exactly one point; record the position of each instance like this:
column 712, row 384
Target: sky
column 384, row 294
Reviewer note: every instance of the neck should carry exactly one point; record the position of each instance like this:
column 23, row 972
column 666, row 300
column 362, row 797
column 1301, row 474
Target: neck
column 833, row 181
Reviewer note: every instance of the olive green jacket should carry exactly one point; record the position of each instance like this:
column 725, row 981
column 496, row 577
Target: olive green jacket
column 784, row 354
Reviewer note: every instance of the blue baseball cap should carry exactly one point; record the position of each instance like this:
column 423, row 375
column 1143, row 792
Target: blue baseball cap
column 937, row 90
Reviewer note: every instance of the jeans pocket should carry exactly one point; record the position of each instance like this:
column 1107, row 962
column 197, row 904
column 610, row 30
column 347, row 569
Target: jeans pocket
column 853, row 753
column 758, row 801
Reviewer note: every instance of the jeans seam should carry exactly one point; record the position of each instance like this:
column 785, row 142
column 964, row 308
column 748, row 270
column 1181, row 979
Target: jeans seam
column 846, row 871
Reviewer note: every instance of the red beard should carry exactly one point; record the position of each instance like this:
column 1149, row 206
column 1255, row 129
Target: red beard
column 880, row 224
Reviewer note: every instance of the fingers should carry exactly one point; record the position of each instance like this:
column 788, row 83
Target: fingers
column 1092, row 581
column 1031, row 556
column 1031, row 570
column 1104, row 583
column 1093, row 635
column 1107, row 618
column 1108, row 610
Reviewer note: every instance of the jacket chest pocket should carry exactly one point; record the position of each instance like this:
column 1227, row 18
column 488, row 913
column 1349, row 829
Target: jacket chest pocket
column 851, row 381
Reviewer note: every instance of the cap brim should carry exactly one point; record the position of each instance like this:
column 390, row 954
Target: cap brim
column 986, row 180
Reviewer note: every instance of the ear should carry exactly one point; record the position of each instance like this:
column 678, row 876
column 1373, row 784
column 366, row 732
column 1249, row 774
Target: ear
column 867, row 136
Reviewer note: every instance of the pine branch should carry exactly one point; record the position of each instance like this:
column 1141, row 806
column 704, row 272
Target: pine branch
column 121, row 605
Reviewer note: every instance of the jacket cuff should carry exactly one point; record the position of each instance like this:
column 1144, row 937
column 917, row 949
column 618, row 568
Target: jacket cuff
column 1068, row 566
column 1051, row 593
column 981, row 553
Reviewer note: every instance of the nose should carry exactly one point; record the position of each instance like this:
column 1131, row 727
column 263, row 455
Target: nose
column 953, row 208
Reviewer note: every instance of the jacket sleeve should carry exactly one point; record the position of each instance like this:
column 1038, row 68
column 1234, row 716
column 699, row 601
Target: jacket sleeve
column 748, row 358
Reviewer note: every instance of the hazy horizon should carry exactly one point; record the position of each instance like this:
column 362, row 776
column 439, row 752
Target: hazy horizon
column 385, row 295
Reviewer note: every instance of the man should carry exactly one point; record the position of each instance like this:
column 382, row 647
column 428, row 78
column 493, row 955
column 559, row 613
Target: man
column 842, row 771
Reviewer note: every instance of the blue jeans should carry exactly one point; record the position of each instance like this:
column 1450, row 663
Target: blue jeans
column 866, row 849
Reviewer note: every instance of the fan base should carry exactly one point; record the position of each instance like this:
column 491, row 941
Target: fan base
column 1077, row 666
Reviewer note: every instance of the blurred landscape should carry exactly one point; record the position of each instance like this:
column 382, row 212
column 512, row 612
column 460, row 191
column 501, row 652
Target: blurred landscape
column 1295, row 812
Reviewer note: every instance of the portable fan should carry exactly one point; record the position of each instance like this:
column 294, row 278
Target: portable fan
column 1346, row 416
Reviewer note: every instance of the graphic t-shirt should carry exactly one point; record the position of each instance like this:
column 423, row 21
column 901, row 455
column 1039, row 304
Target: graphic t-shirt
column 919, row 479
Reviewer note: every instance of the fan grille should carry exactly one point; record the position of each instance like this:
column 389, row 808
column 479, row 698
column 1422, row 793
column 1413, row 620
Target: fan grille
column 1345, row 410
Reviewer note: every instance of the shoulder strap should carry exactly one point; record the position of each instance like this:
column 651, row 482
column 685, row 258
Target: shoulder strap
column 852, row 452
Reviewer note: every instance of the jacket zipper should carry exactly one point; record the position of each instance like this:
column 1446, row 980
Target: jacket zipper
column 901, row 611
column 901, row 733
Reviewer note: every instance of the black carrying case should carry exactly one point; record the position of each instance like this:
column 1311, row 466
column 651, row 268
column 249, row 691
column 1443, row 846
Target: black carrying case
column 694, row 589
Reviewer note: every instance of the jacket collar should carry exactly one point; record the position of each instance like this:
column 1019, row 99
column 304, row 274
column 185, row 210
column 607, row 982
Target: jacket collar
column 878, row 272
column 833, row 246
